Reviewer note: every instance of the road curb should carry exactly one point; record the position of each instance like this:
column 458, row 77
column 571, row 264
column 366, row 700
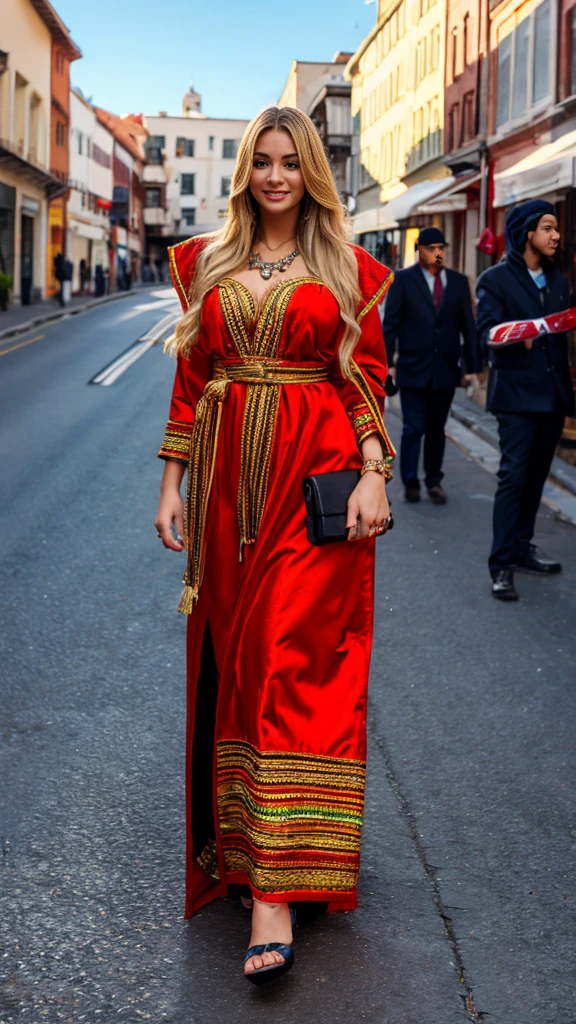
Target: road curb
column 59, row 314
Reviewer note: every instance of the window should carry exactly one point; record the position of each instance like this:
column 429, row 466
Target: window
column 153, row 198
column 229, row 148
column 210, row 142
column 60, row 133
column 187, row 184
column 524, row 66
column 573, row 51
column 225, row 187
column 60, row 62
column 184, row 147
column 80, row 137
column 520, row 69
column 466, row 54
column 189, row 215
column 435, row 47
column 541, row 51
column 468, row 117
column 503, row 93
column 453, row 139
column 454, row 54
column 88, row 147
column 153, row 148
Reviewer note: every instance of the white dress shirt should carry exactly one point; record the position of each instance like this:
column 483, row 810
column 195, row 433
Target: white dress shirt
column 430, row 278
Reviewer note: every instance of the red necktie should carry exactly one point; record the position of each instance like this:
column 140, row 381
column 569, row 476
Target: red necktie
column 437, row 292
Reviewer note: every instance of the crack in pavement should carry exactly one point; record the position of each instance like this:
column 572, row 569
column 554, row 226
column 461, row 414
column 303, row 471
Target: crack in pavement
column 408, row 815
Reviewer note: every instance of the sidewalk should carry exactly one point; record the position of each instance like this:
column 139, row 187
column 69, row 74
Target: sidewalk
column 20, row 319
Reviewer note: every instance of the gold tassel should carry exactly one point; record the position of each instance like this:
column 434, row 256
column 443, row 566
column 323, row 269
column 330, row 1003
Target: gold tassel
column 188, row 600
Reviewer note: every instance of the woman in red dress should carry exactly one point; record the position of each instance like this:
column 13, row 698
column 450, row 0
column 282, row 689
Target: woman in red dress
column 280, row 372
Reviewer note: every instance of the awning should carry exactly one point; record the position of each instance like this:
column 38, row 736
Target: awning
column 384, row 218
column 454, row 199
column 546, row 170
column 84, row 230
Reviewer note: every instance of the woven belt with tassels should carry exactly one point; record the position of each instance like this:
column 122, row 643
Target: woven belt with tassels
column 263, row 378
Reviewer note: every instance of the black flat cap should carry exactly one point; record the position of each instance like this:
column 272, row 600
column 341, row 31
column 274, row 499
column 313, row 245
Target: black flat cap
column 430, row 236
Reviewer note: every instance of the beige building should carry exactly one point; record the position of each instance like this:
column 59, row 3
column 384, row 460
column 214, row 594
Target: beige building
column 26, row 184
column 322, row 91
column 189, row 165
column 397, row 77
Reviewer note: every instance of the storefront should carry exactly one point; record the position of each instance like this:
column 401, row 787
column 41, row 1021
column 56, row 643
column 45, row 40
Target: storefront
column 55, row 243
column 390, row 231
column 459, row 207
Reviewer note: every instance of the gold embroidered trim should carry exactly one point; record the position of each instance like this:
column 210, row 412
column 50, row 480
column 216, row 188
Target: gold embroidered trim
column 239, row 311
column 208, row 860
column 176, row 279
column 361, row 383
column 377, row 297
column 262, row 378
column 176, row 439
column 290, row 821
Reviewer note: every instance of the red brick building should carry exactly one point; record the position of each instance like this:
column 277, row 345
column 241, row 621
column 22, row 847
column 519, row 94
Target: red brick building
column 464, row 208
column 127, row 216
column 64, row 51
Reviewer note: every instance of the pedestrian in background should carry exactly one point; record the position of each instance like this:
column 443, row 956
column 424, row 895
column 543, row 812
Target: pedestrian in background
column 427, row 311
column 281, row 364
column 529, row 386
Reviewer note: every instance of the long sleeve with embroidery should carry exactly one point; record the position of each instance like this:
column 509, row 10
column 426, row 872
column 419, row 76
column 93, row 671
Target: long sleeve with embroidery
column 362, row 393
column 192, row 373
column 191, row 377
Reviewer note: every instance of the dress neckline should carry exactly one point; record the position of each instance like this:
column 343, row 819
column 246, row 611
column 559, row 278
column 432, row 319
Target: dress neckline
column 257, row 307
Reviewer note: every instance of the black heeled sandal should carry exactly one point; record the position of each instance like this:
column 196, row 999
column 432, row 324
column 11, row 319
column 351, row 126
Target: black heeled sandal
column 271, row 972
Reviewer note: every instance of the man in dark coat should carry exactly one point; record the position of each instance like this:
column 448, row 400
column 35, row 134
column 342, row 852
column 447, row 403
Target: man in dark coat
column 529, row 386
column 428, row 309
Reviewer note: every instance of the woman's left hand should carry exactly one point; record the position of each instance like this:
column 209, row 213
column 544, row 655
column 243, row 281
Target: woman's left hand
column 368, row 506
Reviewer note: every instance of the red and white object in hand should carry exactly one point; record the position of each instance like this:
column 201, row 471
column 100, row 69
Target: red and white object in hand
column 515, row 331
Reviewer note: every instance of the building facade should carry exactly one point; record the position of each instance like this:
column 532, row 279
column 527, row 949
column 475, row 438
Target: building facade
column 127, row 242
column 90, row 196
column 27, row 184
column 397, row 77
column 63, row 53
column 189, row 165
column 322, row 91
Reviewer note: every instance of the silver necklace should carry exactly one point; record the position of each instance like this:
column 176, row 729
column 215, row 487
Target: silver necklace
column 266, row 268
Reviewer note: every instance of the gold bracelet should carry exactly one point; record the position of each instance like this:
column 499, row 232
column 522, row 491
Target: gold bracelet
column 373, row 466
column 381, row 466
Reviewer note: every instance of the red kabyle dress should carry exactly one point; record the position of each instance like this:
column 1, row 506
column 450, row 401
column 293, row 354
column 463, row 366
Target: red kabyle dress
column 280, row 633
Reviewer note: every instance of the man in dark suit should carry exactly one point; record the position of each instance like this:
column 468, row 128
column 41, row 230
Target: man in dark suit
column 427, row 310
column 529, row 386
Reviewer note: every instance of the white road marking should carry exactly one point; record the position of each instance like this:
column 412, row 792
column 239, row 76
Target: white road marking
column 110, row 373
column 120, row 365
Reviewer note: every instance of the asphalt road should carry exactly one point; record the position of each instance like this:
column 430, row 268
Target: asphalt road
column 467, row 886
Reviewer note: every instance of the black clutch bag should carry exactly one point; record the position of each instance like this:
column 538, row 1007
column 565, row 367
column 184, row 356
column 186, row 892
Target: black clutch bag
column 326, row 499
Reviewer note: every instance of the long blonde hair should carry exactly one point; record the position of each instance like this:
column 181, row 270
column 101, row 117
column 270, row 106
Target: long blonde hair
column 321, row 233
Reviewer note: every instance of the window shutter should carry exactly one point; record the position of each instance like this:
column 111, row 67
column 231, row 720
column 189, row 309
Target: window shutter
column 541, row 85
column 520, row 75
column 503, row 93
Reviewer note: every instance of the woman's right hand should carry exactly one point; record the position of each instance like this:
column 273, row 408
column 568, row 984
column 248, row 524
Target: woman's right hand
column 171, row 507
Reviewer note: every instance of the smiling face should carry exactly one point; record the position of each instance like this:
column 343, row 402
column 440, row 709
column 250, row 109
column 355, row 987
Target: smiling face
column 276, row 181
column 546, row 237
column 431, row 257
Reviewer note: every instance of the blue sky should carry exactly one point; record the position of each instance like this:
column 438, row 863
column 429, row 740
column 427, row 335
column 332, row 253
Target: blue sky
column 139, row 55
